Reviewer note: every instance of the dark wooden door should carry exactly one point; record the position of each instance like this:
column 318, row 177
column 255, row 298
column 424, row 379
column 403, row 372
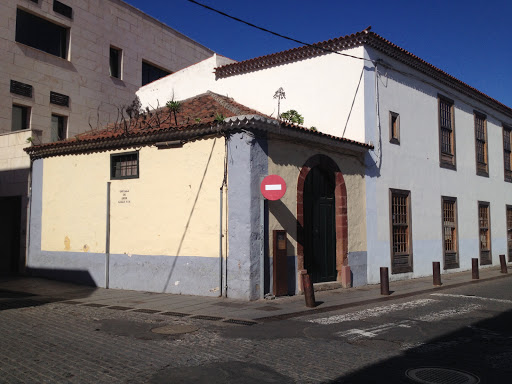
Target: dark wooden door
column 319, row 225
column 10, row 208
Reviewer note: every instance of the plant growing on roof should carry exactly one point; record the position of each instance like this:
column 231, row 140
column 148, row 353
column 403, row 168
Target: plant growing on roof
column 219, row 117
column 174, row 107
column 292, row 116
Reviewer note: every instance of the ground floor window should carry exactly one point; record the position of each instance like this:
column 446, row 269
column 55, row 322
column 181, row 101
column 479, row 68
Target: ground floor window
column 450, row 240
column 401, row 235
column 485, row 233
column 124, row 165
column 509, row 232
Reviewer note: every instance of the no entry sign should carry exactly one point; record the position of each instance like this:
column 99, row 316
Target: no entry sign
column 273, row 187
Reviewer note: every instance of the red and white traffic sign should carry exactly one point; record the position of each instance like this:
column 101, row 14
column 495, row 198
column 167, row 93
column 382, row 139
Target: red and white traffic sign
column 273, row 187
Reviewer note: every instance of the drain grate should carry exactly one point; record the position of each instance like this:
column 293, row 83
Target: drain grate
column 119, row 308
column 175, row 314
column 71, row 302
column 142, row 310
column 240, row 322
column 203, row 317
column 94, row 305
column 437, row 375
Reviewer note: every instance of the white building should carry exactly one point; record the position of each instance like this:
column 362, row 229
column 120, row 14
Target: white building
column 438, row 182
column 66, row 67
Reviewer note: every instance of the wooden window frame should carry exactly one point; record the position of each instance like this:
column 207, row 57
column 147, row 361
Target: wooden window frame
column 115, row 156
column 447, row 160
column 508, row 226
column 409, row 267
column 455, row 251
column 394, row 128
column 487, row 205
column 482, row 168
column 507, row 152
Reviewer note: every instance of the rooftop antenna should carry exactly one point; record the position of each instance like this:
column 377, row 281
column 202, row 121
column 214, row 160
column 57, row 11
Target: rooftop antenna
column 279, row 95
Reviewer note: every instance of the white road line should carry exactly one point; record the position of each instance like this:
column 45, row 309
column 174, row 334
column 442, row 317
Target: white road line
column 437, row 316
column 356, row 333
column 372, row 312
column 473, row 297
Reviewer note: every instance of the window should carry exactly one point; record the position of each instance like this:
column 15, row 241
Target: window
column 59, row 99
column 485, row 233
column 401, row 235
column 115, row 62
column 509, row 232
column 394, row 128
column 21, row 89
column 63, row 9
column 481, row 144
column 446, row 133
column 151, row 73
column 58, row 131
column 507, row 154
column 20, row 116
column 124, row 165
column 450, row 241
column 41, row 34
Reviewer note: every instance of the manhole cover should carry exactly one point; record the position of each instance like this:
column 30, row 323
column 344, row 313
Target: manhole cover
column 436, row 375
column 174, row 329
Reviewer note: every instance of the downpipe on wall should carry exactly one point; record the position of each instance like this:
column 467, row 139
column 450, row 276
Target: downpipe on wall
column 107, row 242
column 224, row 184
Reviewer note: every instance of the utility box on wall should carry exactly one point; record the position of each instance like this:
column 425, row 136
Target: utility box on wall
column 280, row 263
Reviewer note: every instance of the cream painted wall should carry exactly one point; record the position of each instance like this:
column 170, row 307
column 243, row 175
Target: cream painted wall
column 286, row 160
column 173, row 207
column 322, row 89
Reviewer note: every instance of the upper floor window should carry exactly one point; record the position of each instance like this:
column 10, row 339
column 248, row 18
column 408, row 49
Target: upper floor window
column 401, row 235
column 394, row 128
column 151, row 73
column 115, row 62
column 20, row 117
column 446, row 133
column 41, row 34
column 507, row 152
column 63, row 9
column 482, row 167
column 58, row 129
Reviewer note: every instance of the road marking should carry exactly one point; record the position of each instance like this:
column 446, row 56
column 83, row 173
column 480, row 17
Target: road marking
column 473, row 297
column 436, row 316
column 355, row 333
column 372, row 312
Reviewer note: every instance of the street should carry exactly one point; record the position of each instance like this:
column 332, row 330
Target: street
column 466, row 329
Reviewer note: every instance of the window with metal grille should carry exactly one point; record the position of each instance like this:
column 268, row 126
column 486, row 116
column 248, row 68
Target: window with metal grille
column 21, row 89
column 446, row 133
column 485, row 233
column 63, row 9
column 58, row 129
column 509, row 232
column 151, row 73
column 401, row 240
column 124, row 165
column 481, row 144
column 451, row 259
column 507, row 152
column 41, row 34
column 59, row 99
column 394, row 128
column 20, row 118
column 115, row 62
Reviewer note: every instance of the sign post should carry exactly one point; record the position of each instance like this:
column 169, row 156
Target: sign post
column 273, row 187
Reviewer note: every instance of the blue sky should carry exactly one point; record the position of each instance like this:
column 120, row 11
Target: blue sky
column 468, row 39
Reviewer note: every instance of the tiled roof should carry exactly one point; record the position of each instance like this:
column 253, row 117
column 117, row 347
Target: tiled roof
column 198, row 117
column 371, row 39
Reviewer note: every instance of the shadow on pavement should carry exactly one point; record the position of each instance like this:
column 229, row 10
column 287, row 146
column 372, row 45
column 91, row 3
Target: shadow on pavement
column 483, row 349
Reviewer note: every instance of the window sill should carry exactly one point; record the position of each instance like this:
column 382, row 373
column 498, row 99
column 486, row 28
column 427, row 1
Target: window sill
column 450, row 166
column 394, row 141
column 482, row 173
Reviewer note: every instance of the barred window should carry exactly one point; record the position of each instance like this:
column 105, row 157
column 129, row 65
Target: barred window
column 485, row 233
column 507, row 154
column 124, row 165
column 481, row 144
column 451, row 259
column 446, row 133
column 509, row 232
column 401, row 242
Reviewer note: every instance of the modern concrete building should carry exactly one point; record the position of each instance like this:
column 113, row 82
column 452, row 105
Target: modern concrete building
column 66, row 67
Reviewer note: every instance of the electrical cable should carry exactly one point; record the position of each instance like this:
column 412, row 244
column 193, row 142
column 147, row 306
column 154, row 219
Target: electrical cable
column 278, row 34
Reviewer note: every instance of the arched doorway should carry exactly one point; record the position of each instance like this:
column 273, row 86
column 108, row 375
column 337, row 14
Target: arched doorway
column 322, row 219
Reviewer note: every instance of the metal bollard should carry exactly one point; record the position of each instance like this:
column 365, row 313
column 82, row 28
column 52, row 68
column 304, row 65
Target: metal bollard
column 474, row 266
column 309, row 292
column 436, row 268
column 503, row 264
column 384, row 281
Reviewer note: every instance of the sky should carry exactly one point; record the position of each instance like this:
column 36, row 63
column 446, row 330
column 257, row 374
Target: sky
column 468, row 39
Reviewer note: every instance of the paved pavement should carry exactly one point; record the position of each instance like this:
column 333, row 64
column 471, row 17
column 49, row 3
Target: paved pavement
column 30, row 291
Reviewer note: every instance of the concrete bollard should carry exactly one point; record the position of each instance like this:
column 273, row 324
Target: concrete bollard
column 503, row 264
column 436, row 269
column 474, row 269
column 384, row 281
column 309, row 292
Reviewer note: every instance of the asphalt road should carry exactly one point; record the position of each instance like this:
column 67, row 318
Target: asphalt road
column 459, row 335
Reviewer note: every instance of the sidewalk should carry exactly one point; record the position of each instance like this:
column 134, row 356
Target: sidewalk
column 28, row 291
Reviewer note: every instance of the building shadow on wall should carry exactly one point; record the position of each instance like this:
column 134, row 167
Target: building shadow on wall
column 483, row 349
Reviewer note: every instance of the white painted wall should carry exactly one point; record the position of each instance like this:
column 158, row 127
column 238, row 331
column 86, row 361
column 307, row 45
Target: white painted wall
column 414, row 166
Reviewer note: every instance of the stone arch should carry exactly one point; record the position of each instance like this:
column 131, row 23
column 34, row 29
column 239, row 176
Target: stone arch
column 340, row 196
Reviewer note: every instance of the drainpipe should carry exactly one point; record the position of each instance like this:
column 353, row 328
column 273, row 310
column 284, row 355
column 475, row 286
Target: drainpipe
column 224, row 184
column 220, row 242
column 107, row 243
